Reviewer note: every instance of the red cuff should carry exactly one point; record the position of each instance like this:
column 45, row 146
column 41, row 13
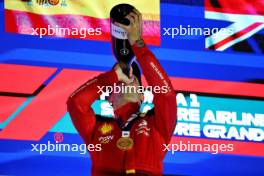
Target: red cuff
column 139, row 50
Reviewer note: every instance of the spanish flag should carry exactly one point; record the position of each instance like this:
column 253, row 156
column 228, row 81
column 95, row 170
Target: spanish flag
column 24, row 16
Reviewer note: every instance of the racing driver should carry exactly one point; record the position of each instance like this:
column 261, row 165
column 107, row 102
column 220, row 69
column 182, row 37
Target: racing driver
column 132, row 142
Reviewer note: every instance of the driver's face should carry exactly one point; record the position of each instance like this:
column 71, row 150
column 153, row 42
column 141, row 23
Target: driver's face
column 130, row 96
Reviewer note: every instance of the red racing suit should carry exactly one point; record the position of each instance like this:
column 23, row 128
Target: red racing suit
column 149, row 132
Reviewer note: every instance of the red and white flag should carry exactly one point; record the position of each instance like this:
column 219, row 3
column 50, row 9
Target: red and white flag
column 246, row 16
